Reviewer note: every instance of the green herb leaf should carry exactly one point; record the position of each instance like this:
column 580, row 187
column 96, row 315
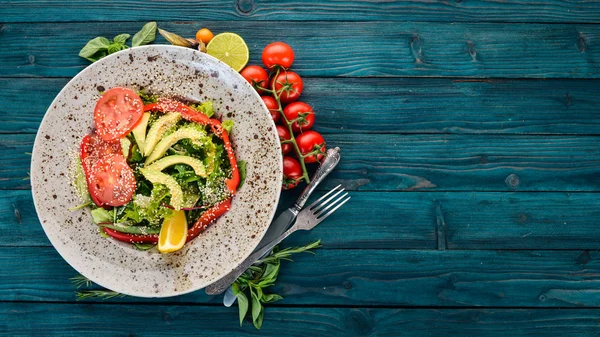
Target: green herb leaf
column 227, row 125
column 270, row 298
column 143, row 246
column 262, row 275
column 99, row 294
column 95, row 49
column 256, row 306
column 121, row 38
column 145, row 36
column 115, row 47
column 80, row 281
column 259, row 320
column 206, row 108
column 242, row 305
column 242, row 170
column 102, row 215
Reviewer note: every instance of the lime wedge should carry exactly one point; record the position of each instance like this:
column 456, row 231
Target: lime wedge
column 229, row 48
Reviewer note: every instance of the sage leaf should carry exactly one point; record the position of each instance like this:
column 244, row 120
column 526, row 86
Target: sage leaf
column 145, row 36
column 121, row 38
column 174, row 39
column 242, row 305
column 95, row 49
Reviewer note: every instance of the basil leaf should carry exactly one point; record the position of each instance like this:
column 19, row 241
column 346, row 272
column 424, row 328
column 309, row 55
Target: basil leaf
column 121, row 38
column 145, row 36
column 242, row 170
column 269, row 298
column 242, row 305
column 113, row 48
column 256, row 308
column 259, row 320
column 95, row 49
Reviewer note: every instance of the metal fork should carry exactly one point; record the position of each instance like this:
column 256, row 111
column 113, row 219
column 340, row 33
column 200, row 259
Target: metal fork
column 307, row 219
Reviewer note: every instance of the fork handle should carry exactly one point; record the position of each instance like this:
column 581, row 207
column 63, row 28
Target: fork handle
column 332, row 158
column 224, row 283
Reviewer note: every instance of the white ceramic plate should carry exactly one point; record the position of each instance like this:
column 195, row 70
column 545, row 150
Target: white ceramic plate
column 167, row 71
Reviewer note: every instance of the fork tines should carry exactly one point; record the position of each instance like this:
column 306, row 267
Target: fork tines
column 319, row 208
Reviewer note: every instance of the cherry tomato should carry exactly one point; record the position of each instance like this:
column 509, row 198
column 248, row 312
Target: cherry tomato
column 284, row 134
column 117, row 112
column 204, row 35
column 310, row 141
column 301, row 111
column 112, row 181
column 273, row 107
column 289, row 85
column 292, row 173
column 278, row 54
column 256, row 76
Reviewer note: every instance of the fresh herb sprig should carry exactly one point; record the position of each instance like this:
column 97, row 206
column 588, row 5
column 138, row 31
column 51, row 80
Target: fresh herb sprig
column 249, row 287
column 100, row 46
column 81, row 281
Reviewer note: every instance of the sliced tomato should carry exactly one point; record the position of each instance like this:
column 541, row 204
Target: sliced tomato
column 111, row 181
column 117, row 112
column 93, row 148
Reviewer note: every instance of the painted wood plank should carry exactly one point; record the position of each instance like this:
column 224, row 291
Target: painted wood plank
column 293, row 10
column 350, row 227
column 393, row 105
column 421, row 162
column 527, row 221
column 367, row 278
column 482, row 220
column 172, row 320
column 405, row 49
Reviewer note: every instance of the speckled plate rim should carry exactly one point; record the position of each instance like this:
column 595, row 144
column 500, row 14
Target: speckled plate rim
column 34, row 168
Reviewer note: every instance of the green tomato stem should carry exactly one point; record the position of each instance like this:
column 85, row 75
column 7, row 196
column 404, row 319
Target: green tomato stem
column 292, row 139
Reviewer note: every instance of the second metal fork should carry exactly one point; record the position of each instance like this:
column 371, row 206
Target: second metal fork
column 307, row 219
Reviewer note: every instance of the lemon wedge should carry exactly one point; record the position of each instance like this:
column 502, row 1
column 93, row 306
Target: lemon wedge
column 173, row 233
column 229, row 48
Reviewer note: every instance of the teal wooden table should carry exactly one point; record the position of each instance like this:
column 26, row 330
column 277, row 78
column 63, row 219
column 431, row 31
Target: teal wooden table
column 470, row 137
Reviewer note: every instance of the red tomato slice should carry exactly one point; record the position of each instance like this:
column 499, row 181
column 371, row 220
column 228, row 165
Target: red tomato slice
column 93, row 148
column 111, row 181
column 117, row 112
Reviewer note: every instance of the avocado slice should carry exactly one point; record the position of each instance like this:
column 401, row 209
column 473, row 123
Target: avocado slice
column 125, row 147
column 158, row 129
column 161, row 148
column 157, row 177
column 139, row 132
column 167, row 161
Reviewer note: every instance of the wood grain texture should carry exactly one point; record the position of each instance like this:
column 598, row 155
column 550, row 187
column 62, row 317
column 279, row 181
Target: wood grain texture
column 474, row 220
column 350, row 227
column 298, row 10
column 392, row 105
column 172, row 320
column 421, row 278
column 344, row 48
column 421, row 162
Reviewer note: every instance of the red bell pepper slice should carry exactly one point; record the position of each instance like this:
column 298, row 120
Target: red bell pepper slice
column 208, row 217
column 131, row 238
column 167, row 105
